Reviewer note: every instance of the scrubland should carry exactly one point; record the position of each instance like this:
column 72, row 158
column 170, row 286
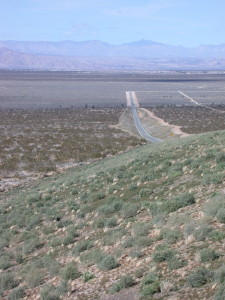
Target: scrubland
column 151, row 219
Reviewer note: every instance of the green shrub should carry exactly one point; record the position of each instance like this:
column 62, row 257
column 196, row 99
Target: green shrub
column 221, row 215
column 108, row 263
column 203, row 232
column 220, row 293
column 129, row 210
column 171, row 236
column 220, row 274
column 7, row 282
column 82, row 246
column 208, row 254
column 212, row 178
column 91, row 257
column 175, row 263
column 87, row 276
column 142, row 229
column 164, row 254
column 200, row 277
column 125, row 282
column 111, row 222
column 70, row 272
column 128, row 242
column 143, row 241
column 99, row 223
column 50, row 292
column 34, row 277
column 182, row 200
column 150, row 285
column 136, row 253
column 17, row 293
column 32, row 245
column 145, row 193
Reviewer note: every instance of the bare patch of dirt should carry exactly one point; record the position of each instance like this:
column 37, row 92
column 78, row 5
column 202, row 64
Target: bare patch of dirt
column 129, row 294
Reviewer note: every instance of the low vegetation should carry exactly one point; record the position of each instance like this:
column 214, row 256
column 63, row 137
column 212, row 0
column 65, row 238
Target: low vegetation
column 144, row 220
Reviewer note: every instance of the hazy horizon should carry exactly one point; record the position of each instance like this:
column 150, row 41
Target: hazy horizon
column 186, row 23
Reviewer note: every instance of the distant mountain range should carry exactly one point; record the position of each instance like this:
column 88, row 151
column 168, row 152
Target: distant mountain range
column 97, row 55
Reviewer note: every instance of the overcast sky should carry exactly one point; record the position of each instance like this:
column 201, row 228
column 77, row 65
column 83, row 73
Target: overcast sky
column 177, row 22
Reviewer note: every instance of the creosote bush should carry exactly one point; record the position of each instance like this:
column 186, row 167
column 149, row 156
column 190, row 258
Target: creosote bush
column 200, row 277
column 125, row 282
column 108, row 263
column 70, row 272
column 150, row 285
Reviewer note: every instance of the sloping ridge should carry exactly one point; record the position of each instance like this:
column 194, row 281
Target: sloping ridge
column 151, row 219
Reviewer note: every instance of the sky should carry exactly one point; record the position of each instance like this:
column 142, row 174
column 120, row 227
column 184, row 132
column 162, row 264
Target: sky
column 188, row 23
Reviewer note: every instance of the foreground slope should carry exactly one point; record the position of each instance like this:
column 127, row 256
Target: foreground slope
column 150, row 220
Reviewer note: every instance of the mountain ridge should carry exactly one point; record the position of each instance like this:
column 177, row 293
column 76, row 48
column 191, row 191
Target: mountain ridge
column 98, row 55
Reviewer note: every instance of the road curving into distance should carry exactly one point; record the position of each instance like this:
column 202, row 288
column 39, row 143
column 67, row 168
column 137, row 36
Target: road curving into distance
column 131, row 97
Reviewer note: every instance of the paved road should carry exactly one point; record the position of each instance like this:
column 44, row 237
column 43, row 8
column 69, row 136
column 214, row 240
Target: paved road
column 138, row 124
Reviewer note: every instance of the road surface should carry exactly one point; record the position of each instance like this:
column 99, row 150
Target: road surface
column 131, row 96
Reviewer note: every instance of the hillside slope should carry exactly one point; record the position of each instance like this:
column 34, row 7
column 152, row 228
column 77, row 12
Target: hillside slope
column 151, row 219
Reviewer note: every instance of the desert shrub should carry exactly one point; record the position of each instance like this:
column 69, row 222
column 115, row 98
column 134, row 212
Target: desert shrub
column 98, row 196
column 33, row 198
column 106, row 209
column 216, row 235
column 99, row 223
column 56, row 242
column 145, row 193
column 17, row 293
column 129, row 210
column 70, row 272
column 33, row 221
column 200, row 277
column 220, row 157
column 203, row 232
column 108, row 263
column 220, row 293
column 178, row 202
column 150, row 285
column 34, row 277
column 125, row 282
column 163, row 254
column 175, row 263
column 93, row 256
column 208, row 254
column 220, row 274
column 111, row 222
column 71, row 235
column 50, row 292
column 171, row 236
column 212, row 178
column 213, row 205
column 132, row 187
column 112, row 236
column 143, row 241
column 142, row 229
column 7, row 282
column 32, row 245
column 221, row 215
column 189, row 228
column 87, row 276
column 136, row 252
column 128, row 242
column 82, row 246
column 5, row 262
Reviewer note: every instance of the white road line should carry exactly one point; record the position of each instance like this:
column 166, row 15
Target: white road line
column 128, row 96
column 191, row 99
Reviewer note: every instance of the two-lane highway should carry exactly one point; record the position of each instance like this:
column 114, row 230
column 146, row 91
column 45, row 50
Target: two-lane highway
column 131, row 96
